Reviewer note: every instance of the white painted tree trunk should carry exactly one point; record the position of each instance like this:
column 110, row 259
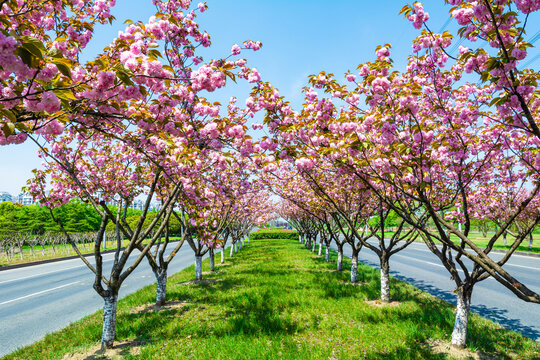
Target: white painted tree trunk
column 340, row 259
column 313, row 246
column 198, row 268
column 232, row 251
column 236, row 247
column 530, row 241
column 300, row 239
column 212, row 264
column 248, row 238
column 385, row 284
column 161, row 286
column 459, row 335
column 320, row 249
column 223, row 255
column 327, row 255
column 354, row 267
column 109, row 321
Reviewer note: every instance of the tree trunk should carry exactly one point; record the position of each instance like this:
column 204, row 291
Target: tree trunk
column 300, row 239
column 340, row 258
column 198, row 268
column 212, row 266
column 459, row 335
column 320, row 249
column 354, row 266
column 504, row 237
column 385, row 280
column 223, row 255
column 313, row 246
column 236, row 246
column 530, row 241
column 109, row 321
column 327, row 255
column 232, row 250
column 161, row 286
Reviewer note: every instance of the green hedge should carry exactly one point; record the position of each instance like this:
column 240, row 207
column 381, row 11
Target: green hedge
column 274, row 234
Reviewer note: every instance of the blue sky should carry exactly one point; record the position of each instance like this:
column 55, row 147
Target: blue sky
column 300, row 37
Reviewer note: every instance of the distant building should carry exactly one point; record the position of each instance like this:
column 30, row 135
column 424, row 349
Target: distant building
column 5, row 196
column 25, row 199
column 137, row 205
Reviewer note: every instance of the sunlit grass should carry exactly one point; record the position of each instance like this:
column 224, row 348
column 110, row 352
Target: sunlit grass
column 276, row 300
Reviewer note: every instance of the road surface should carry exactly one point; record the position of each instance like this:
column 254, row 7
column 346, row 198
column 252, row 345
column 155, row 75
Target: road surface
column 418, row 266
column 40, row 299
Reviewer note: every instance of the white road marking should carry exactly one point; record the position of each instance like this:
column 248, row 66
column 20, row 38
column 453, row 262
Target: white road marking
column 412, row 258
column 38, row 293
column 39, row 274
column 521, row 266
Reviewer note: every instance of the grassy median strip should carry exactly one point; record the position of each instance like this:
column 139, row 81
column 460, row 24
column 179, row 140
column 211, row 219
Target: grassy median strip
column 275, row 299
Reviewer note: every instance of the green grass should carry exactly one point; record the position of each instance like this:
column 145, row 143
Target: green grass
column 277, row 300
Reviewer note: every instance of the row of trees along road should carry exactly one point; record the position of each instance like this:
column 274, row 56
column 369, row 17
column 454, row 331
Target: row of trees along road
column 449, row 139
column 129, row 123
column 449, row 132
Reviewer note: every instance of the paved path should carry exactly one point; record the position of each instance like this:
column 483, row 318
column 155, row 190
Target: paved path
column 421, row 268
column 40, row 299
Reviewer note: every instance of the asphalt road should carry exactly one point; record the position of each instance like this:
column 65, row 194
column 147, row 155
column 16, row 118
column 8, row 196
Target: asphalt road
column 40, row 299
column 421, row 268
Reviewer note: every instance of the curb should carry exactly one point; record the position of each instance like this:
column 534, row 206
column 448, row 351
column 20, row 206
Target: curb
column 500, row 251
column 522, row 253
column 41, row 262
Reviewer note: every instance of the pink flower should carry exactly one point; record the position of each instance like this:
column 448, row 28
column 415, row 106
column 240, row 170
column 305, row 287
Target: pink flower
column 350, row 77
column 205, row 78
column 382, row 53
column 210, row 130
column 254, row 76
column 237, row 131
column 304, row 164
column 236, row 49
column 202, row 7
column 463, row 15
column 49, row 102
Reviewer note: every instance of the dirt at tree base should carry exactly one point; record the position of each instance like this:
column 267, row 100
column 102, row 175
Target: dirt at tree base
column 198, row 282
column 380, row 303
column 118, row 351
column 169, row 305
column 446, row 348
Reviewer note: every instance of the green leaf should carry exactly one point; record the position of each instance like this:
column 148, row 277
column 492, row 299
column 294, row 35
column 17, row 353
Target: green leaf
column 54, row 52
column 124, row 78
column 155, row 53
column 65, row 94
column 25, row 56
column 63, row 68
column 32, row 49
column 10, row 115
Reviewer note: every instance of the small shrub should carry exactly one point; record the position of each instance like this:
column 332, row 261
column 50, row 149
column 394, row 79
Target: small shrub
column 274, row 234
